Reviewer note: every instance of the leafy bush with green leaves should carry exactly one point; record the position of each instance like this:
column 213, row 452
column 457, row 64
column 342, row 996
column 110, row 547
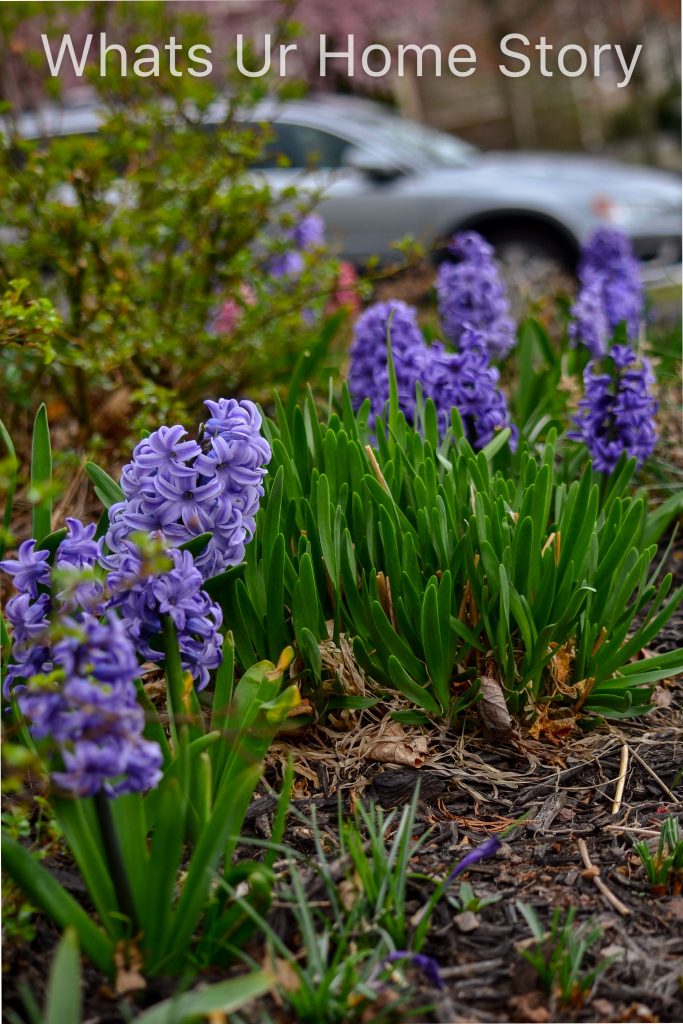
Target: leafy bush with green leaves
column 128, row 242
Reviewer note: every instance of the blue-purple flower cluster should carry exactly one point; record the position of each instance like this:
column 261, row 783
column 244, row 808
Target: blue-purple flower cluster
column 179, row 488
column 29, row 611
column 471, row 295
column 464, row 380
column 73, row 675
column 617, row 412
column 467, row 382
column 144, row 594
column 610, row 292
column 369, row 370
column 308, row 233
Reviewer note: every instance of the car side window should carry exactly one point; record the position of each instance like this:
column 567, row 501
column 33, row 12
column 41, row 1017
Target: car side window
column 302, row 147
column 280, row 148
column 319, row 149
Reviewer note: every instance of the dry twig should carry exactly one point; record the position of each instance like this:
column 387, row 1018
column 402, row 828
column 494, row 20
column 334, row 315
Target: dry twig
column 592, row 871
column 621, row 780
column 653, row 774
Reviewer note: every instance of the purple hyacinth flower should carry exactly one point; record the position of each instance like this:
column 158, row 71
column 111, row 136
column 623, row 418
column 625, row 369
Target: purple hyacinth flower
column 185, row 499
column 79, row 549
column 285, row 264
column 369, row 373
column 486, row 849
column 143, row 596
column 471, row 295
column 617, row 412
column 610, row 292
column 87, row 708
column 427, row 964
column 309, row 232
column 179, row 489
column 28, row 618
column 590, row 324
column 164, row 449
column 30, row 570
column 467, row 382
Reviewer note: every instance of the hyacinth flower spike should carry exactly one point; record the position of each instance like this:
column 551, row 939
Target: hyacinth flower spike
column 610, row 294
column 471, row 295
column 617, row 412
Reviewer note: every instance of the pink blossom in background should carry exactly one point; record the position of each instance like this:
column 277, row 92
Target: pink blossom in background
column 230, row 312
column 346, row 296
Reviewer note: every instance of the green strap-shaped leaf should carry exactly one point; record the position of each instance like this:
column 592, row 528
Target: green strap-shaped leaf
column 41, row 475
column 222, row 998
column 63, row 999
column 106, row 488
column 11, row 485
column 46, row 892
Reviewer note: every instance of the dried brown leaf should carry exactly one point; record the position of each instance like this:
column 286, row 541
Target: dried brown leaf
column 128, row 962
column 394, row 746
column 493, row 710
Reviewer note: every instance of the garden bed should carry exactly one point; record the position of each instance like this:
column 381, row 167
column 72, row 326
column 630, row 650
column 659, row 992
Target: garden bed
column 469, row 790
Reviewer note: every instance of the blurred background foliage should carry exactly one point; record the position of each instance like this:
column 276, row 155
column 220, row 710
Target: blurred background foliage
column 122, row 248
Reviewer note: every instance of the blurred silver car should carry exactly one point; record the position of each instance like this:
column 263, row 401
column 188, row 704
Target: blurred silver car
column 383, row 177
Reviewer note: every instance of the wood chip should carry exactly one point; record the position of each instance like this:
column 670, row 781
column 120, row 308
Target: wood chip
column 467, row 921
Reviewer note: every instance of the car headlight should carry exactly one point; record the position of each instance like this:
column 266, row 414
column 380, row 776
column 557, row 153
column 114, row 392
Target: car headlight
column 622, row 212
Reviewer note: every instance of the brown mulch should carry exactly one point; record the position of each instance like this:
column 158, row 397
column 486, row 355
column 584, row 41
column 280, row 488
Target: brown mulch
column 470, row 789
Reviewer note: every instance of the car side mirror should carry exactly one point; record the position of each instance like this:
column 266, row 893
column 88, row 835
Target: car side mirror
column 374, row 165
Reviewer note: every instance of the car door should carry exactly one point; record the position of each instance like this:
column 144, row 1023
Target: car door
column 363, row 215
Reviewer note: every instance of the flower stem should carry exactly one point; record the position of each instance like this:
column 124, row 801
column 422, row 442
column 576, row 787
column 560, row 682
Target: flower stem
column 174, row 676
column 119, row 876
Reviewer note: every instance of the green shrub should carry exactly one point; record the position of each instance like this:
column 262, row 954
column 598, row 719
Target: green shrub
column 126, row 243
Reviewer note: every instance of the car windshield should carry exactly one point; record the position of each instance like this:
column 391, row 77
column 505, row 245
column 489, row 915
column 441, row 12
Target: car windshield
column 420, row 144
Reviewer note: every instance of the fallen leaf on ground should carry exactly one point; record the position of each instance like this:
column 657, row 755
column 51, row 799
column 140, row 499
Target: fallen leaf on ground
column 395, row 746
column 286, row 976
column 530, row 1007
column 492, row 709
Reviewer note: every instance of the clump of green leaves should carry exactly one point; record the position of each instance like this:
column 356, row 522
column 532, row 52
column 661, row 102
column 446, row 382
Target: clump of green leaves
column 558, row 955
column 663, row 866
column 349, row 907
column 442, row 565
column 148, row 861
column 379, row 849
column 63, row 998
